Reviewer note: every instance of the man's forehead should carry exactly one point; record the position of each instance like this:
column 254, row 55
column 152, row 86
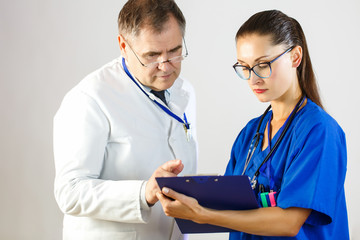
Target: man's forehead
column 149, row 28
column 168, row 38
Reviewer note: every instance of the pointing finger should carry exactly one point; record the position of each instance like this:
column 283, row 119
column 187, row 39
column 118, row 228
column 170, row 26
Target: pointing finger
column 174, row 166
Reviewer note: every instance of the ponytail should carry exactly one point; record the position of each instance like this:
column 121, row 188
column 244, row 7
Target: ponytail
column 305, row 72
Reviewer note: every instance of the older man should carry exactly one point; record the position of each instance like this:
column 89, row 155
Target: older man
column 119, row 127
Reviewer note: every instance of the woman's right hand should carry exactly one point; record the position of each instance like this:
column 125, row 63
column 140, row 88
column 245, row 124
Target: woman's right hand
column 180, row 206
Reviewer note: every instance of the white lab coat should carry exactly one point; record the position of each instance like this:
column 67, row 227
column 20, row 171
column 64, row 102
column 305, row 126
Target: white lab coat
column 108, row 140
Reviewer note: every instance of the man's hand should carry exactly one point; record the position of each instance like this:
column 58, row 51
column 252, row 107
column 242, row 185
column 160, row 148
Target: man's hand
column 169, row 169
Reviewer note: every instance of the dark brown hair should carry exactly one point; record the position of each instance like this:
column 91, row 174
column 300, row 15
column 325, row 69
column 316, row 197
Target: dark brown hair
column 285, row 30
column 137, row 14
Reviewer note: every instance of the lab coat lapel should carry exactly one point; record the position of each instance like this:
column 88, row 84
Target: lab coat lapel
column 179, row 98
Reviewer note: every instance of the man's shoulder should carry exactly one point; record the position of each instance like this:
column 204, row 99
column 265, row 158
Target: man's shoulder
column 103, row 80
column 107, row 71
column 109, row 76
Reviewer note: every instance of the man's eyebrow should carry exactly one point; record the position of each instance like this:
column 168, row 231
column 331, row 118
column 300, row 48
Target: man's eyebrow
column 175, row 48
column 146, row 54
column 150, row 53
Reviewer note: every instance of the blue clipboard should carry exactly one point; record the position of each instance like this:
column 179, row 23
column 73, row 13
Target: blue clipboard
column 215, row 192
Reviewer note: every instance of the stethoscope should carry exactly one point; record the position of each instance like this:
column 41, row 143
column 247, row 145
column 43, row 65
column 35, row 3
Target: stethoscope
column 256, row 139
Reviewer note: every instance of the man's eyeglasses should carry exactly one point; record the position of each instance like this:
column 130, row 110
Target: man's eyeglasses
column 262, row 70
column 152, row 63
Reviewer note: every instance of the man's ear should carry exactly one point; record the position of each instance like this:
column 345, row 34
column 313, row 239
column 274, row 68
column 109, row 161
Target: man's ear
column 296, row 56
column 122, row 45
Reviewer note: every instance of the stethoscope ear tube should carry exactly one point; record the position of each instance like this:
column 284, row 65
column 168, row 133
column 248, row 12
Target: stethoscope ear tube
column 253, row 180
column 261, row 119
column 256, row 138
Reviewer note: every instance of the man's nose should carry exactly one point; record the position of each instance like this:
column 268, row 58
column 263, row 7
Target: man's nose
column 164, row 65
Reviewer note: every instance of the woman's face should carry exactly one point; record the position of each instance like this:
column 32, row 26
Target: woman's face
column 282, row 83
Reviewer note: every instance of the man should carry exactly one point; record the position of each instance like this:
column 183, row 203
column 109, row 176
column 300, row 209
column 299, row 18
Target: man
column 119, row 124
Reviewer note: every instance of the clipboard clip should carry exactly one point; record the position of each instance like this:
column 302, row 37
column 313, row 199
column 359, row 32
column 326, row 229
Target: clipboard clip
column 253, row 183
column 199, row 179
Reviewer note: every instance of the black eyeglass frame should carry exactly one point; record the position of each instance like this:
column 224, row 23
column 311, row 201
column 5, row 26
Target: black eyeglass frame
column 252, row 69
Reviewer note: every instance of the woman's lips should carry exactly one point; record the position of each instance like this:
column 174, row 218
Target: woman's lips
column 259, row 90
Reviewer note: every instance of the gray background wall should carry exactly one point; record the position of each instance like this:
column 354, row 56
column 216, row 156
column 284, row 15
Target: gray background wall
column 47, row 46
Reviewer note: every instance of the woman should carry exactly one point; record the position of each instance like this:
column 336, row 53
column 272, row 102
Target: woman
column 294, row 154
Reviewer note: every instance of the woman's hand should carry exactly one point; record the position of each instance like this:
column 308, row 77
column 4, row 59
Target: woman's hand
column 180, row 206
column 271, row 221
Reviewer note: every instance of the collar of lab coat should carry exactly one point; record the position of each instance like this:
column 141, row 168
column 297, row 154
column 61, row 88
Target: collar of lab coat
column 176, row 96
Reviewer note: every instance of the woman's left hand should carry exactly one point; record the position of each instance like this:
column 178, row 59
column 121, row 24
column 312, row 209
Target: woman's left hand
column 180, row 206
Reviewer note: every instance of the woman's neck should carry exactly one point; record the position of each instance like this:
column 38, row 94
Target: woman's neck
column 282, row 108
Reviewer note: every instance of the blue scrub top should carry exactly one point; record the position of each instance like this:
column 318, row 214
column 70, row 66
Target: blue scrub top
column 308, row 170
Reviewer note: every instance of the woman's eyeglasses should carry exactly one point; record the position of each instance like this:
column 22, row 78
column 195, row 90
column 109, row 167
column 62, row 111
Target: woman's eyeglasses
column 262, row 70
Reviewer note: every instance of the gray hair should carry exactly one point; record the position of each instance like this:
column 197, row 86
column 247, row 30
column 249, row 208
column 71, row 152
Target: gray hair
column 137, row 14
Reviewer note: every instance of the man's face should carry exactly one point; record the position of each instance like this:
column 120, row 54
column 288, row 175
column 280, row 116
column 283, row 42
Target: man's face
column 153, row 47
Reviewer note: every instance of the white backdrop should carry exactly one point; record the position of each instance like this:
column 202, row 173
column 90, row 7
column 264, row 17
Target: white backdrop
column 46, row 47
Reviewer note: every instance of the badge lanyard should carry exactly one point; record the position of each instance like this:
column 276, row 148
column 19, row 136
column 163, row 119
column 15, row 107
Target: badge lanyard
column 268, row 198
column 272, row 150
column 165, row 109
column 268, row 163
column 267, row 169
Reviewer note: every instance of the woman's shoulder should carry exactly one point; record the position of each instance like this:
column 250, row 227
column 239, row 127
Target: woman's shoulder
column 313, row 117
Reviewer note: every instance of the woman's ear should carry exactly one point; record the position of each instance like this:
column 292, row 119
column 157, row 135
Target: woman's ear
column 296, row 56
